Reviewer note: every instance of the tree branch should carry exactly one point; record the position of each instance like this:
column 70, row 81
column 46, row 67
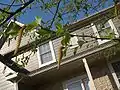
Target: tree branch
column 55, row 14
column 4, row 37
column 11, row 5
column 5, row 11
column 4, row 4
column 18, row 10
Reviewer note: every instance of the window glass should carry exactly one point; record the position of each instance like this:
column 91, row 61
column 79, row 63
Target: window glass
column 105, row 30
column 75, row 86
column 46, row 57
column 78, row 84
column 116, row 67
column 44, row 48
column 45, row 53
column 86, row 83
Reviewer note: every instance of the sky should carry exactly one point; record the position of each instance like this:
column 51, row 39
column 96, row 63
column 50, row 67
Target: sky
column 30, row 15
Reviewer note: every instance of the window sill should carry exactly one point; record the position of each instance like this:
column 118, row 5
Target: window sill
column 102, row 41
column 46, row 64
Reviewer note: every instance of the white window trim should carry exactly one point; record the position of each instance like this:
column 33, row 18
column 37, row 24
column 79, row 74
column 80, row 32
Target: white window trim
column 98, row 36
column 52, row 53
column 113, row 73
column 75, row 79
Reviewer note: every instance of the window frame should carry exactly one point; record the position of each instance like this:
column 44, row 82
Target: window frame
column 113, row 73
column 75, row 79
column 52, row 55
column 98, row 35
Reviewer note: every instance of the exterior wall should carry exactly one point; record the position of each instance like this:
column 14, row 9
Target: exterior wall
column 33, row 62
column 116, row 22
column 4, row 84
column 5, row 49
column 103, row 79
column 86, row 46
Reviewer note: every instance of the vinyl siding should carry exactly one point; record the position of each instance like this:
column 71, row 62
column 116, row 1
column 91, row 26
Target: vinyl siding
column 116, row 22
column 86, row 46
column 4, row 84
column 5, row 49
column 33, row 62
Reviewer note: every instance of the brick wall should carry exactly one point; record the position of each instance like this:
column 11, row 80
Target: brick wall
column 102, row 77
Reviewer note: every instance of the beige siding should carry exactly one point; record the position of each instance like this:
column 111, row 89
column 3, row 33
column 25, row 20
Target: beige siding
column 116, row 22
column 86, row 46
column 4, row 84
column 33, row 62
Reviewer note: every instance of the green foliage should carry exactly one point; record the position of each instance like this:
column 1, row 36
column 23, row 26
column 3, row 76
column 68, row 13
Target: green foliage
column 13, row 29
column 60, row 30
column 30, row 27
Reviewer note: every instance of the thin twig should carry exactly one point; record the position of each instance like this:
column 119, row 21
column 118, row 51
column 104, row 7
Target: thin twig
column 5, row 11
column 55, row 14
column 4, row 4
column 11, row 5
column 18, row 10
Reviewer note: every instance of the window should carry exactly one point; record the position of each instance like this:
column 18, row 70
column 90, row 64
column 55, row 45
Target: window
column 46, row 54
column 77, row 83
column 105, row 30
column 116, row 67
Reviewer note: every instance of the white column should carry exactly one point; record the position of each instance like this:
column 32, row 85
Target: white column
column 92, row 86
column 114, row 75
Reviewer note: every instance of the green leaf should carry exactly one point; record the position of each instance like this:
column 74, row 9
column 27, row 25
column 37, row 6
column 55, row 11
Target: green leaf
column 38, row 20
column 34, row 24
column 13, row 29
column 59, row 28
column 65, row 40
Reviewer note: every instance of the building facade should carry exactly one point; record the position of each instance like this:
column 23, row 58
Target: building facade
column 95, row 66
